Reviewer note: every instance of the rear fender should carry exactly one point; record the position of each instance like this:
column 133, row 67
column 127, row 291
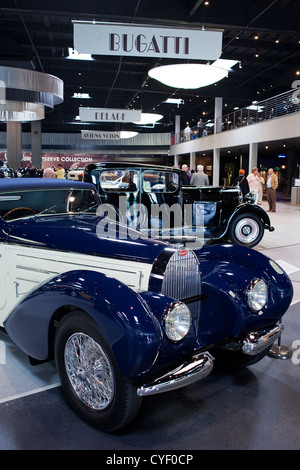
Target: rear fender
column 122, row 315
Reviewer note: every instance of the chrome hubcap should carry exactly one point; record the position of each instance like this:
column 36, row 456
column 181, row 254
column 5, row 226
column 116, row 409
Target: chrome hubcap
column 247, row 230
column 89, row 371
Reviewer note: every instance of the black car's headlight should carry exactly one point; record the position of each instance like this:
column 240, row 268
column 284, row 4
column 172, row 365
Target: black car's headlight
column 177, row 321
column 257, row 294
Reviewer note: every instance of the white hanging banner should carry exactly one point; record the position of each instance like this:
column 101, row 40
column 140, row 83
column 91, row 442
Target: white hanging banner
column 146, row 41
column 100, row 135
column 109, row 115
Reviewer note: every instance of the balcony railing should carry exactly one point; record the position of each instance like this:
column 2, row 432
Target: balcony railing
column 258, row 111
column 271, row 108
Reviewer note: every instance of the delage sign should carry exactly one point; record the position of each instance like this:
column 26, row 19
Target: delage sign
column 146, row 41
column 109, row 115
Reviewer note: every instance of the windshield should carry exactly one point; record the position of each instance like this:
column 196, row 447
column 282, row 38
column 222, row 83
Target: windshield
column 20, row 204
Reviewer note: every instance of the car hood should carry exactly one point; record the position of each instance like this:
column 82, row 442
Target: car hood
column 83, row 234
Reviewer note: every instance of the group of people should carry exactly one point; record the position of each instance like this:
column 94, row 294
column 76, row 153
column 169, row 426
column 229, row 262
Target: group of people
column 195, row 179
column 53, row 172
column 188, row 133
column 255, row 183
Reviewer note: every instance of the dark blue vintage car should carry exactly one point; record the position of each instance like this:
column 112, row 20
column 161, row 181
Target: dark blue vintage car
column 125, row 316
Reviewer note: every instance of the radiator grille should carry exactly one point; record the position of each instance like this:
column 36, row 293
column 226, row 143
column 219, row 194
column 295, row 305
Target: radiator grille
column 182, row 277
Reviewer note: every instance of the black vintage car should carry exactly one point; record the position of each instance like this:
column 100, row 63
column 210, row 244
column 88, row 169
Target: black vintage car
column 153, row 199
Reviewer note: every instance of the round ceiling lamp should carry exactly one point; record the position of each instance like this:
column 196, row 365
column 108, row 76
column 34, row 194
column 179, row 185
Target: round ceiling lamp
column 149, row 118
column 191, row 76
column 25, row 93
column 128, row 134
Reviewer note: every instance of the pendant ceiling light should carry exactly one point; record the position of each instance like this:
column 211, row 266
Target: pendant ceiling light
column 190, row 76
column 128, row 134
column 24, row 94
column 149, row 118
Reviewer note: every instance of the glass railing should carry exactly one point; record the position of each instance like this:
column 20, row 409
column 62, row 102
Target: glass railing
column 258, row 111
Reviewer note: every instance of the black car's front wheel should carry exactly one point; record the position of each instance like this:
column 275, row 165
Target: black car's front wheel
column 246, row 229
column 90, row 376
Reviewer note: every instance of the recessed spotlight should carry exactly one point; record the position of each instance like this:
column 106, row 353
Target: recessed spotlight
column 256, row 36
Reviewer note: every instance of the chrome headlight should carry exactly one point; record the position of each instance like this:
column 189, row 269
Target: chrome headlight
column 177, row 321
column 257, row 294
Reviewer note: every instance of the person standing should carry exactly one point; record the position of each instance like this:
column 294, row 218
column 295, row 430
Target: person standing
column 242, row 182
column 199, row 178
column 254, row 183
column 49, row 173
column 200, row 127
column 186, row 176
column 261, row 183
column 60, row 172
column 272, row 185
column 187, row 132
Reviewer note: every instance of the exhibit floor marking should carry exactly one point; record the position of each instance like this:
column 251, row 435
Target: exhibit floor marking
column 30, row 392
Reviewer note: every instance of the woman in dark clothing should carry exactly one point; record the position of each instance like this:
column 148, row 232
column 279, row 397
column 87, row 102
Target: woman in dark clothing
column 242, row 182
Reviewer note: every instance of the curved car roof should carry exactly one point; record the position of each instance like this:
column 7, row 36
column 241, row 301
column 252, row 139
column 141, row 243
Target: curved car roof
column 145, row 166
column 21, row 184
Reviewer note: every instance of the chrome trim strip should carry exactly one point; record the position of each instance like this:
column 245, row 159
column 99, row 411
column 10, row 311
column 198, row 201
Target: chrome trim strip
column 258, row 341
column 197, row 368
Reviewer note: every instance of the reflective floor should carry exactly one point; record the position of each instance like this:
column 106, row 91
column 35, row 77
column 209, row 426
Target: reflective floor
column 254, row 408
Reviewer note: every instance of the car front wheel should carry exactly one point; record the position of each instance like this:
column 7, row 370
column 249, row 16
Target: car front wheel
column 90, row 377
column 246, row 229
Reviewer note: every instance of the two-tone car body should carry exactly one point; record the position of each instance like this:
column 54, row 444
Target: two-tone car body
column 125, row 316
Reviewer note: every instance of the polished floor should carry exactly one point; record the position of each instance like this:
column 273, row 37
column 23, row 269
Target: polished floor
column 251, row 409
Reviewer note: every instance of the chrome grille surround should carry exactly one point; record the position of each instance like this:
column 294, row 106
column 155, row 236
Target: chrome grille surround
column 182, row 277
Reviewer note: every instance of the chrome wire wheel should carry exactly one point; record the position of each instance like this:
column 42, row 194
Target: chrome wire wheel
column 89, row 371
column 247, row 230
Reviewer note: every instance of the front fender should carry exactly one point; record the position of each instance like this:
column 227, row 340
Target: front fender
column 252, row 209
column 122, row 315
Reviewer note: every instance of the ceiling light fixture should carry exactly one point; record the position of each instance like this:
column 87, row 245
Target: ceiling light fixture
column 177, row 101
column 191, row 76
column 84, row 96
column 74, row 55
column 148, row 118
column 128, row 134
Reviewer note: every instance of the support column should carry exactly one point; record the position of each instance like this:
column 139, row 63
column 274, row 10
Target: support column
column 14, row 144
column 252, row 156
column 218, row 114
column 175, row 161
column 177, row 129
column 36, row 143
column 216, row 167
column 192, row 164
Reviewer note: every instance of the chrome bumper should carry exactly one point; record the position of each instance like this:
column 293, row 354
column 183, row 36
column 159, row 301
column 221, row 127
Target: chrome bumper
column 197, row 368
column 257, row 341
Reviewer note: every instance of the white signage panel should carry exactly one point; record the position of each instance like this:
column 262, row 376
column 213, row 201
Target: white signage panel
column 101, row 135
column 109, row 115
column 146, row 41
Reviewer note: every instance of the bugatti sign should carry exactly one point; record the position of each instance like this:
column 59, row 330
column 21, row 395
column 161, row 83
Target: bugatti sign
column 146, row 41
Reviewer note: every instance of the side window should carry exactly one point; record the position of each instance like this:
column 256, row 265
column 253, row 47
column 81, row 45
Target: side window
column 160, row 181
column 119, row 180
